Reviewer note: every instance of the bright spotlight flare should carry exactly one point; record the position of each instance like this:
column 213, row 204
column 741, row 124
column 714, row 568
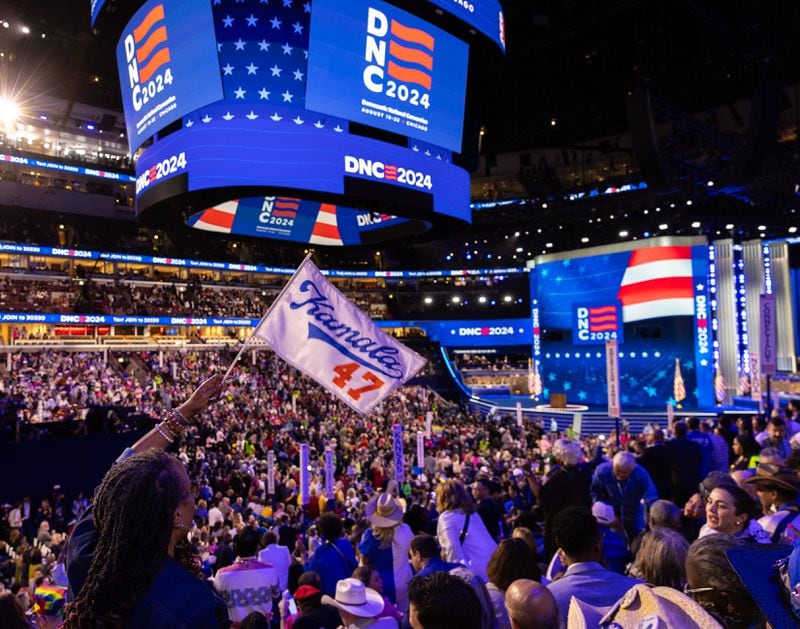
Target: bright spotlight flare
column 9, row 110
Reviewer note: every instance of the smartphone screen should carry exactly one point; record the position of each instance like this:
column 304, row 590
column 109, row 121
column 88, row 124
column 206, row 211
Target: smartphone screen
column 292, row 606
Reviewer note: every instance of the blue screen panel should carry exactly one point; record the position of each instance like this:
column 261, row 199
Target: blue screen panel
column 653, row 300
column 236, row 151
column 168, row 65
column 375, row 64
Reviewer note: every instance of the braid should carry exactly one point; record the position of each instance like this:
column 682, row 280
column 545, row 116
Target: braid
column 133, row 515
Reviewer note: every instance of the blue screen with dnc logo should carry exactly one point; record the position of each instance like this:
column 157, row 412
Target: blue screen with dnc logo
column 372, row 63
column 168, row 65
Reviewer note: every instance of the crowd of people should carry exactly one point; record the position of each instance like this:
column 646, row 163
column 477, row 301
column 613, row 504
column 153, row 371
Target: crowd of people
column 124, row 297
column 523, row 527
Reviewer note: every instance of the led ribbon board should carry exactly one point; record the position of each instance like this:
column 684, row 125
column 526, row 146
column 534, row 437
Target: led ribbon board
column 271, row 157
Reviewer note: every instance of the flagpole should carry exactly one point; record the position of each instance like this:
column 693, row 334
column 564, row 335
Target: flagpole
column 266, row 314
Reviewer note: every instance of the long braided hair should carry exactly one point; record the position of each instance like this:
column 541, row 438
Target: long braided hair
column 133, row 514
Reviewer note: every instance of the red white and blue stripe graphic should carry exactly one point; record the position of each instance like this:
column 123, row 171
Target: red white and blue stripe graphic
column 657, row 283
column 410, row 55
column 603, row 319
column 218, row 218
column 286, row 207
column 150, row 37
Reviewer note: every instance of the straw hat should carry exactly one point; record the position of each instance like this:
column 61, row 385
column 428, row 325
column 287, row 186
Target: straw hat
column 643, row 607
column 384, row 510
column 354, row 597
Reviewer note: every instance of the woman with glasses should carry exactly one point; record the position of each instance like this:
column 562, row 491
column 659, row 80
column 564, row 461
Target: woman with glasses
column 712, row 582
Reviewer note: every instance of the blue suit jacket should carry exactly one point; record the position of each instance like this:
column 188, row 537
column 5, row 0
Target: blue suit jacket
column 625, row 497
column 591, row 583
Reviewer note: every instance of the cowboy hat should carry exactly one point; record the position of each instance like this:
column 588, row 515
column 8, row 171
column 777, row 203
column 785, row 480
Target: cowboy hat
column 384, row 510
column 780, row 476
column 643, row 607
column 355, row 598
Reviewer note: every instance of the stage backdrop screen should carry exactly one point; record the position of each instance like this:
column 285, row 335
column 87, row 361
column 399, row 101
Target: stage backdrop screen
column 372, row 63
column 168, row 65
column 653, row 300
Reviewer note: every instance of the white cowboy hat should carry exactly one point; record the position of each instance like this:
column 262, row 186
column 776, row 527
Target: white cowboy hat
column 355, row 598
column 384, row 510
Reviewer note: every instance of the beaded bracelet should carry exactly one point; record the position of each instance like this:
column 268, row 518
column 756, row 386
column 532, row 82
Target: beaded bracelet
column 175, row 422
column 164, row 432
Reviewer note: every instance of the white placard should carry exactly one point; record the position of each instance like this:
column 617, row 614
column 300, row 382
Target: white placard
column 612, row 378
column 271, row 473
column 329, row 480
column 397, row 449
column 304, row 488
column 428, row 424
column 519, row 414
column 420, row 449
column 768, row 353
column 755, row 379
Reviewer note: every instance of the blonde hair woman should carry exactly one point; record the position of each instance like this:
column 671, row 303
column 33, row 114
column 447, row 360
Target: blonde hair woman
column 461, row 532
column 385, row 545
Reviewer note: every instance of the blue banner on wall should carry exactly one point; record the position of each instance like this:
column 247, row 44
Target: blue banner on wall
column 383, row 67
column 168, row 65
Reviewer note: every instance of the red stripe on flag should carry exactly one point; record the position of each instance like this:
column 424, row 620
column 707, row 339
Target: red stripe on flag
column 326, row 231
column 410, row 55
column 602, row 318
column 608, row 327
column 658, row 254
column 653, row 290
column 215, row 217
column 159, row 36
column 407, row 75
column 151, row 18
column 603, row 310
column 413, row 35
column 156, row 61
column 284, row 213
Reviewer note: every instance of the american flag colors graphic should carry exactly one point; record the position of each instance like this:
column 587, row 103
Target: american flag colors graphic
column 603, row 319
column 678, row 387
column 286, row 207
column 326, row 229
column 657, row 283
column 219, row 218
column 263, row 50
column 411, row 55
column 150, row 37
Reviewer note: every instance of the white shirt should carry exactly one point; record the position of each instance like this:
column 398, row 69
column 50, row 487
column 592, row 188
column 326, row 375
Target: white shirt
column 214, row 516
column 281, row 560
column 478, row 545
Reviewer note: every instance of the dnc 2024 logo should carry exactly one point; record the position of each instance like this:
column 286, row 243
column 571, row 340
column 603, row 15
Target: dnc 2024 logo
column 399, row 58
column 148, row 59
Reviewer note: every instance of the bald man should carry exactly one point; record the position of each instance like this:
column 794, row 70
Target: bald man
column 530, row 605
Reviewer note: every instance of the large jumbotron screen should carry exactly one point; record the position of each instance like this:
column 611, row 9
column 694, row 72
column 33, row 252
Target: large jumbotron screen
column 653, row 300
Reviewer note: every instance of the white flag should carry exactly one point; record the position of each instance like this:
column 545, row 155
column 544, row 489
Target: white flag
column 316, row 329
